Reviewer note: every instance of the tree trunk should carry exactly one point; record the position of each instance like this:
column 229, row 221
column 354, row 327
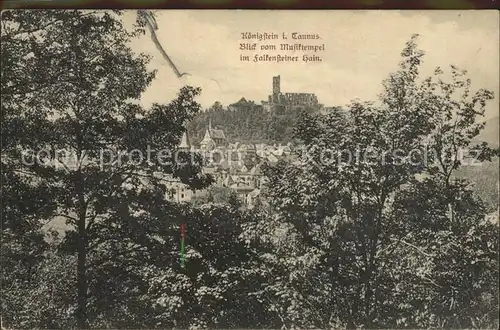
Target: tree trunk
column 82, row 276
column 82, row 257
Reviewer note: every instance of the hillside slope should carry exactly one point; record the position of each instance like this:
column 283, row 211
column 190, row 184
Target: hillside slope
column 485, row 177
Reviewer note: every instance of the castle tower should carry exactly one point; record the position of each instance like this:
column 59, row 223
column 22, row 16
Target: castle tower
column 276, row 85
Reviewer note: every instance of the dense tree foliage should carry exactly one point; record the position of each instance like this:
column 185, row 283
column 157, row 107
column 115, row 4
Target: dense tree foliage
column 379, row 238
column 69, row 81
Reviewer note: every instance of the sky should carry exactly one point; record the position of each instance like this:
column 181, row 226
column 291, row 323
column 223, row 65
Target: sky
column 361, row 49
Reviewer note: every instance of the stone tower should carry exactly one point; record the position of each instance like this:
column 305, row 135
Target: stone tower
column 276, row 85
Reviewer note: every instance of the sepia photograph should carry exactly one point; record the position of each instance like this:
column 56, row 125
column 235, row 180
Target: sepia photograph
column 250, row 169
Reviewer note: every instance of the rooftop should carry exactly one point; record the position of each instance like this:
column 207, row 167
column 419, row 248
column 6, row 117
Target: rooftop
column 217, row 134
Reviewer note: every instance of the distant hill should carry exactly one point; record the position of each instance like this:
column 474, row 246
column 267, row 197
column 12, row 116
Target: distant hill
column 490, row 133
column 485, row 179
column 485, row 176
column 247, row 122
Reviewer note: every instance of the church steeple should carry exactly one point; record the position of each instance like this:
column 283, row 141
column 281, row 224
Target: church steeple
column 208, row 143
column 185, row 140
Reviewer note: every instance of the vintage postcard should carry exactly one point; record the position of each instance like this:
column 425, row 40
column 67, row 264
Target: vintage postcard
column 263, row 169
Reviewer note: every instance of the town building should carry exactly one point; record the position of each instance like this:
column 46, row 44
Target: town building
column 236, row 166
column 244, row 105
column 213, row 138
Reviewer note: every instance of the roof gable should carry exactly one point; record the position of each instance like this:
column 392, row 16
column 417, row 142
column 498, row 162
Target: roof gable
column 217, row 134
